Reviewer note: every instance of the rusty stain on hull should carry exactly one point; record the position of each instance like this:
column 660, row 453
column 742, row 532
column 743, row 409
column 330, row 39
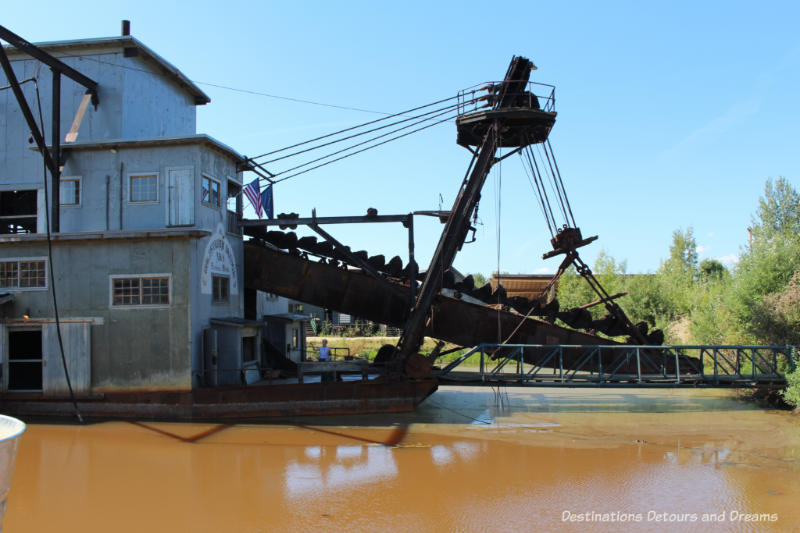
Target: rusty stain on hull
column 239, row 403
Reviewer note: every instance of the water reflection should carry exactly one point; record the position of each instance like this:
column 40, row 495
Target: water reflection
column 519, row 472
column 345, row 467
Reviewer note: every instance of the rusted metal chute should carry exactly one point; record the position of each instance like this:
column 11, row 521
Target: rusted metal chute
column 513, row 118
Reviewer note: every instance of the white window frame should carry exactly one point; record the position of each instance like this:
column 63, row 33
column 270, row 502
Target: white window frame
column 131, row 176
column 211, row 179
column 80, row 191
column 27, row 259
column 113, row 277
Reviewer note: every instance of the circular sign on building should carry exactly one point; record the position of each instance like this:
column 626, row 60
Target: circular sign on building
column 218, row 259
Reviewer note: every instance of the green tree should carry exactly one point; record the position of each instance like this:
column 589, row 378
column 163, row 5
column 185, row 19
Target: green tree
column 711, row 269
column 479, row 279
column 682, row 259
column 574, row 291
column 778, row 211
column 767, row 265
column 676, row 277
column 776, row 318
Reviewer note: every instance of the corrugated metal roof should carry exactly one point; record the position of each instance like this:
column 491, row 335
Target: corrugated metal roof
column 199, row 138
column 529, row 286
column 124, row 43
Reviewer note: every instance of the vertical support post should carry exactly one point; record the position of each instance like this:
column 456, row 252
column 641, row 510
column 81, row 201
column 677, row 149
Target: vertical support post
column 702, row 366
column 738, row 363
column 638, row 366
column 677, row 368
column 561, row 363
column 716, row 374
column 483, row 367
column 753, row 358
column 600, row 364
column 412, row 263
column 55, row 172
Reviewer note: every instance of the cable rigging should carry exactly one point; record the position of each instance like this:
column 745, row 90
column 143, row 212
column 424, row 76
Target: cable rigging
column 52, row 270
column 426, row 120
column 351, row 128
column 357, row 144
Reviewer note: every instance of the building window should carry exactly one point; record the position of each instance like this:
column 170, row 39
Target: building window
column 18, row 211
column 23, row 274
column 210, row 191
column 234, row 208
column 144, row 187
column 70, row 193
column 153, row 290
column 221, row 289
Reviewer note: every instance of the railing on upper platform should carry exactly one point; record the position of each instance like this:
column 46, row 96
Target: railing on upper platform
column 719, row 365
column 536, row 96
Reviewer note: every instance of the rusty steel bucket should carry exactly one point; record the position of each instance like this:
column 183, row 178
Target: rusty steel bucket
column 10, row 431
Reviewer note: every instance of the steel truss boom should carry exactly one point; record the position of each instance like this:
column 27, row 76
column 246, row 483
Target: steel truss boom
column 458, row 223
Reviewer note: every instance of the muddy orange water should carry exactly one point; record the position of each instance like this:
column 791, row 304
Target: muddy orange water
column 470, row 459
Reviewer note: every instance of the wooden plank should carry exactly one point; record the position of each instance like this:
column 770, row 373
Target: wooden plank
column 72, row 135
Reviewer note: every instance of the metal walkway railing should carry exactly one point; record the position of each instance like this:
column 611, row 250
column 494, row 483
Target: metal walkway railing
column 718, row 365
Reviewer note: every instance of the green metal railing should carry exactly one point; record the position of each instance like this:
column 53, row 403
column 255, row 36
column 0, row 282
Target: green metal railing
column 692, row 364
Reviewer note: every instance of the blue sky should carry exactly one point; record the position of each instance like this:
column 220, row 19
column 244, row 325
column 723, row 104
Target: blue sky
column 670, row 115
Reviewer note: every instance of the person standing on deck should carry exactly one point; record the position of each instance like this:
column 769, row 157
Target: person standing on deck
column 324, row 351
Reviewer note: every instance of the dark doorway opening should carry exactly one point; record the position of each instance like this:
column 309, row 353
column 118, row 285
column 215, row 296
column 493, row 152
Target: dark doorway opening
column 25, row 360
column 18, row 211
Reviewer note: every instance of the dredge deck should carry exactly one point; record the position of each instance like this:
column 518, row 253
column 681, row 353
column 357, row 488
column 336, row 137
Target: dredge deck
column 233, row 404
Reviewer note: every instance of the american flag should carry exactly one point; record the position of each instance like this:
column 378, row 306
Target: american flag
column 267, row 203
column 253, row 193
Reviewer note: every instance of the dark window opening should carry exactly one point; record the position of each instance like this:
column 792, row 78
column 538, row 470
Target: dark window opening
column 25, row 360
column 248, row 349
column 221, row 289
column 18, row 211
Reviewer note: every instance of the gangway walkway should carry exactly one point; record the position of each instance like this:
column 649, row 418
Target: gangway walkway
column 719, row 365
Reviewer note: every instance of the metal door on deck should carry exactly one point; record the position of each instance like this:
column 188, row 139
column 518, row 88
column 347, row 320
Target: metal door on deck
column 210, row 357
column 76, row 338
column 180, row 191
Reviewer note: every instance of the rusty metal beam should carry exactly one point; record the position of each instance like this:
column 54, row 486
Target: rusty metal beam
column 352, row 258
column 307, row 221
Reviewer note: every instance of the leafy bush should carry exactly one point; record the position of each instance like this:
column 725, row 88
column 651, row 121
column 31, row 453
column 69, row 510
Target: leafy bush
column 792, row 393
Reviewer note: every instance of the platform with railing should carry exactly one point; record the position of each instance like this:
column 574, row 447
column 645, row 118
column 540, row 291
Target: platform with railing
column 525, row 116
column 711, row 365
